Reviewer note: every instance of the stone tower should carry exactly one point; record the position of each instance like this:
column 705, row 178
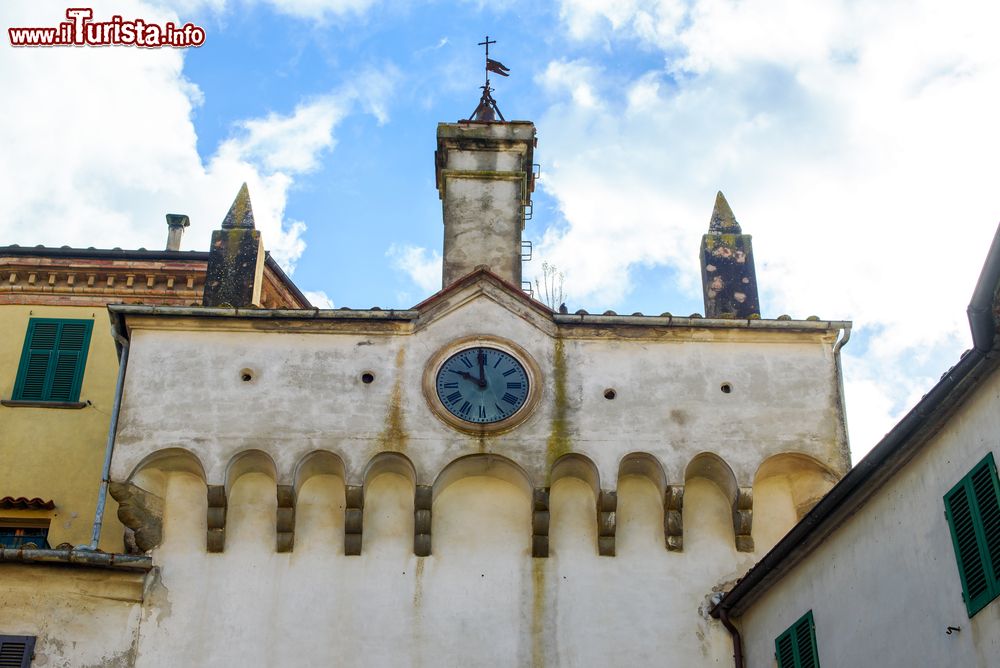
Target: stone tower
column 727, row 271
column 485, row 180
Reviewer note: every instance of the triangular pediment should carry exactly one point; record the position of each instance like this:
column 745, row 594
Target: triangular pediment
column 482, row 284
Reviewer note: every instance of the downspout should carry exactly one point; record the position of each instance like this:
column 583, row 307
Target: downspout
column 735, row 633
column 841, row 397
column 102, row 494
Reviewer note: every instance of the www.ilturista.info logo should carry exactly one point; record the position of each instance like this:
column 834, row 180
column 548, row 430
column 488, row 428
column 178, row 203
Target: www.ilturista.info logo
column 81, row 30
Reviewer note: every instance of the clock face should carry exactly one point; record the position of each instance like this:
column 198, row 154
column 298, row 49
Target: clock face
column 482, row 385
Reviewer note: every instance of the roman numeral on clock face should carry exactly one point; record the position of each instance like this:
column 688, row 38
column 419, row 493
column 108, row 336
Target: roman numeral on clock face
column 510, row 399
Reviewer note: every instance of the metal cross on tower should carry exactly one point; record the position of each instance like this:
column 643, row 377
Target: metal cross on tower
column 487, row 110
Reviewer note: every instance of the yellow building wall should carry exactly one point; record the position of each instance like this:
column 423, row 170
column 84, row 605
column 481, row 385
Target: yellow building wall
column 58, row 453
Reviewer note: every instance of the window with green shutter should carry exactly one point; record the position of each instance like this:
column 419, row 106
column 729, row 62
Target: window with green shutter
column 796, row 647
column 53, row 359
column 973, row 511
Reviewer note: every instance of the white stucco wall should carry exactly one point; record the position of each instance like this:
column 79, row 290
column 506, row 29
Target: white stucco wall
column 183, row 389
column 884, row 586
column 480, row 598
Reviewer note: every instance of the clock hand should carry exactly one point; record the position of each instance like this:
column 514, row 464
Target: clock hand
column 482, row 363
column 469, row 376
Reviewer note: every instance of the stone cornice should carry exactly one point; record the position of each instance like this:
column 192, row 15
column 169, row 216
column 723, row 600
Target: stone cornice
column 90, row 277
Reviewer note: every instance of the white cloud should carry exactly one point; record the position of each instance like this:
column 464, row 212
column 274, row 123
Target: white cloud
column 422, row 266
column 318, row 298
column 106, row 174
column 289, row 143
column 316, row 10
column 856, row 142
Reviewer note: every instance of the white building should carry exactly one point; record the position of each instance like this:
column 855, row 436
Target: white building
column 476, row 481
column 899, row 565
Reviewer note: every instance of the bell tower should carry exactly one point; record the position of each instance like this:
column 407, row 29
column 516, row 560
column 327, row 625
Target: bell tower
column 485, row 179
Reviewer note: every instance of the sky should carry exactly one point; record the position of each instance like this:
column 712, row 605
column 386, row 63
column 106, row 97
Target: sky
column 856, row 141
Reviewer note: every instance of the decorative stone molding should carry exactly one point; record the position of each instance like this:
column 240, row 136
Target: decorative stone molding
column 216, row 539
column 607, row 507
column 423, row 498
column 95, row 277
column 673, row 518
column 743, row 519
column 141, row 512
column 540, row 522
column 353, row 519
column 286, row 518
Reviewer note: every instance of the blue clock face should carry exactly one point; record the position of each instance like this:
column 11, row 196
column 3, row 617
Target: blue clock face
column 482, row 385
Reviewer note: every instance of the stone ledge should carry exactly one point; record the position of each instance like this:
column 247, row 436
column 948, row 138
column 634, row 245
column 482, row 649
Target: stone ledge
column 17, row 403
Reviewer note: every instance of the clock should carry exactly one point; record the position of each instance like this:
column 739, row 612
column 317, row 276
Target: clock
column 481, row 384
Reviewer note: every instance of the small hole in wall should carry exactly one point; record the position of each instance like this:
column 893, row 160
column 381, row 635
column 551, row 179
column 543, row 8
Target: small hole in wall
column 367, row 377
column 726, row 388
column 246, row 375
column 610, row 394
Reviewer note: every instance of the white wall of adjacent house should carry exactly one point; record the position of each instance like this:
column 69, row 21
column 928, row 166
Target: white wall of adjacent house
column 885, row 587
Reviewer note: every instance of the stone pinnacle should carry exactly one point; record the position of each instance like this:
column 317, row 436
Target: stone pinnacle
column 240, row 214
column 723, row 220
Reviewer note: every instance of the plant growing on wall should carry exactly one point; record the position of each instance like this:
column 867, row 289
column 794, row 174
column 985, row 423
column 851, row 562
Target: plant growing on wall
column 550, row 288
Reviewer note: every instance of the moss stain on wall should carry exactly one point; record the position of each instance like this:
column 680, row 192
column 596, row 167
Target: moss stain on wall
column 558, row 443
column 393, row 436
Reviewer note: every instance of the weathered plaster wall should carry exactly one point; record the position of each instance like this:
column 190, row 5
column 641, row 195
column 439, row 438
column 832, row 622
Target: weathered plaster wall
column 81, row 616
column 58, row 453
column 184, row 390
column 885, row 586
column 479, row 600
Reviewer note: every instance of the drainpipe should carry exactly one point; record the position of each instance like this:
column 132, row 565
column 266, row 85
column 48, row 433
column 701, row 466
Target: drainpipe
column 102, row 494
column 737, row 640
column 841, row 342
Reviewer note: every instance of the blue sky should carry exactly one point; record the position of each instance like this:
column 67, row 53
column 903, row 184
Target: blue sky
column 855, row 141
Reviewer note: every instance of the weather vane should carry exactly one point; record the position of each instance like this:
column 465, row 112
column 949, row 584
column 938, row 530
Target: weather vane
column 488, row 109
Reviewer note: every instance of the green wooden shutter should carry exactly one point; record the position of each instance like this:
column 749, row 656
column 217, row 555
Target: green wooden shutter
column 53, row 360
column 785, row 646
column 805, row 642
column 796, row 647
column 973, row 510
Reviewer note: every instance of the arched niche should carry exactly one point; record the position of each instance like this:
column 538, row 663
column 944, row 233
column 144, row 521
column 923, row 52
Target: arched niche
column 380, row 508
column 490, row 465
column 318, row 462
column 319, row 483
column 710, row 467
column 150, row 473
column 642, row 491
column 252, row 503
column 249, row 461
column 141, row 498
column 786, row 487
column 572, row 476
column 498, row 510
